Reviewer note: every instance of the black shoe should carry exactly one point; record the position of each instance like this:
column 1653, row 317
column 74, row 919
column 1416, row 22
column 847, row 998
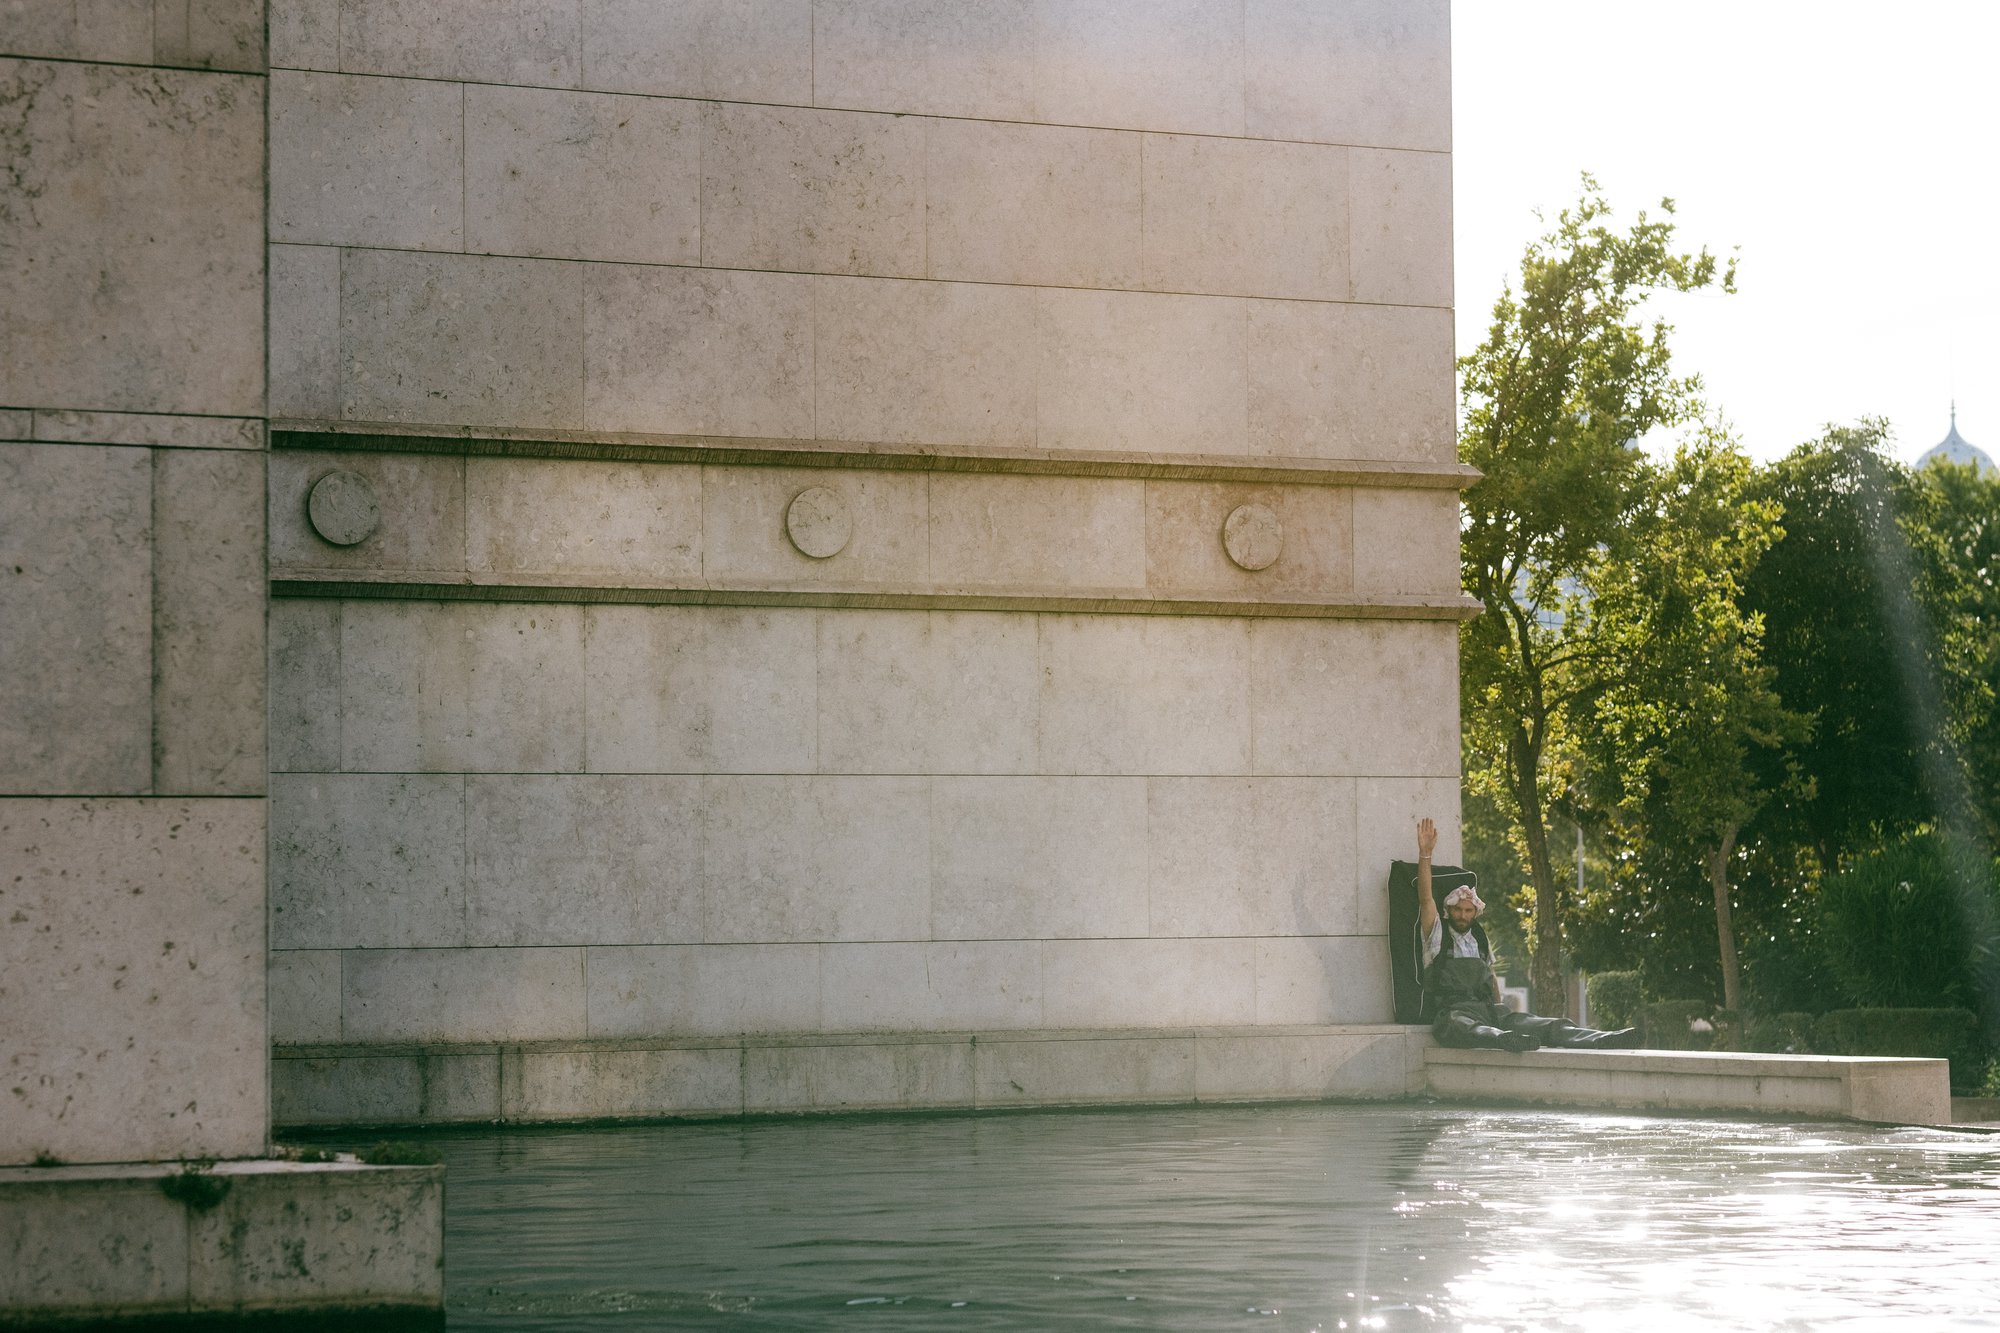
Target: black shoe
column 1519, row 1041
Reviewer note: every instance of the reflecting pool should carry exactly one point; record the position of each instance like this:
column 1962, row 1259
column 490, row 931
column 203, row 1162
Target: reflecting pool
column 1286, row 1217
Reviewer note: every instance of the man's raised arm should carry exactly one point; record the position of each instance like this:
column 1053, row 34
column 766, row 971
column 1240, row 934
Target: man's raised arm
column 1427, row 911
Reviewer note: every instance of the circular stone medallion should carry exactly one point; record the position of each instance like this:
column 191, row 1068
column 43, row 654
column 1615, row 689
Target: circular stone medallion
column 343, row 509
column 817, row 522
column 1253, row 536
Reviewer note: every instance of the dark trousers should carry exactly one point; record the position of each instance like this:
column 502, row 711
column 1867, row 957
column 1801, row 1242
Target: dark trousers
column 1473, row 1025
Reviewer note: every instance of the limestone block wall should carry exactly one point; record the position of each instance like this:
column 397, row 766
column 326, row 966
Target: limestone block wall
column 802, row 436
column 132, row 581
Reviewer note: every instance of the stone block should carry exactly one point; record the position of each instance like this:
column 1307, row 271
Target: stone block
column 1386, row 812
column 1299, row 1065
column 745, row 542
column 686, row 351
column 1250, row 856
column 209, row 34
column 957, row 986
column 1351, row 381
column 1399, row 227
column 728, row 50
column 858, row 1076
column 347, row 1089
column 1371, row 699
column 928, row 57
column 1128, row 983
column 367, row 860
column 987, row 674
column 288, row 1236
column 153, row 429
column 1037, row 534
column 582, row 859
column 431, row 1087
column 796, row 859
column 304, row 988
column 487, row 688
column 470, row 340
column 367, row 161
column 948, row 692
column 304, row 34
column 924, row 362
column 1145, row 695
column 305, row 331
column 1027, row 858
column 591, row 1085
column 679, row 689
column 1170, row 65
column 1140, row 370
column 108, row 1246
column 304, row 726
column 1033, row 204
column 116, row 31
column 1184, row 539
column 703, row 990
column 1058, row 1071
column 462, row 995
column 570, row 175
column 1406, row 542
column 423, row 518
column 144, row 188
column 575, row 521
column 533, row 42
column 1376, row 72
column 76, row 593
column 812, row 191
column 1341, row 979
column 208, row 622
column 1245, row 218
column 132, row 973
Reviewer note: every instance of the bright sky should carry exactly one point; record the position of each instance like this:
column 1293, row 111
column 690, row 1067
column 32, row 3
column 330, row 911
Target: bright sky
column 1851, row 151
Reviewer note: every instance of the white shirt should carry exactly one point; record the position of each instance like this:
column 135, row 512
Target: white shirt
column 1462, row 946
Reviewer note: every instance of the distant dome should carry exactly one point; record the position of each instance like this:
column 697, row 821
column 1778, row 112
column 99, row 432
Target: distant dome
column 1953, row 449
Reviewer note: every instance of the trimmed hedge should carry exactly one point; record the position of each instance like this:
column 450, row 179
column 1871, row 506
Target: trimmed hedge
column 1668, row 1025
column 1614, row 999
column 1781, row 1034
column 1938, row 1034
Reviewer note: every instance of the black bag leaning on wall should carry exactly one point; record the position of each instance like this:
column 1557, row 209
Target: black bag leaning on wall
column 1409, row 993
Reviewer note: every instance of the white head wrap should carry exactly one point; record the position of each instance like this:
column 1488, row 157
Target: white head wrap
column 1465, row 893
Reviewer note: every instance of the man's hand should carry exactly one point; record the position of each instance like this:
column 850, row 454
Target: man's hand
column 1427, row 912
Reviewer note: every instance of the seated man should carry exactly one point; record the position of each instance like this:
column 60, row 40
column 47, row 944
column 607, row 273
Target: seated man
column 1456, row 969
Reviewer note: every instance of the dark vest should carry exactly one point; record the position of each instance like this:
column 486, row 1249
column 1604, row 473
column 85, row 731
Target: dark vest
column 1449, row 978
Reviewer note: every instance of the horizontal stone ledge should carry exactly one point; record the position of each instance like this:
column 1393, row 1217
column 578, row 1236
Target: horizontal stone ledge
column 806, row 1073
column 1874, row 1089
column 348, row 587
column 739, row 451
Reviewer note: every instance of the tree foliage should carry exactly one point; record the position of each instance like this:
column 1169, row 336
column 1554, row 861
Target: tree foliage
column 1567, row 378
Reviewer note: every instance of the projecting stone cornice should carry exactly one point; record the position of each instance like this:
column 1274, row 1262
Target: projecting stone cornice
column 744, row 451
column 349, row 587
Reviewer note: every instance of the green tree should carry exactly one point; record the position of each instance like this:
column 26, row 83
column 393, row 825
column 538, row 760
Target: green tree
column 1566, row 379
column 1676, row 731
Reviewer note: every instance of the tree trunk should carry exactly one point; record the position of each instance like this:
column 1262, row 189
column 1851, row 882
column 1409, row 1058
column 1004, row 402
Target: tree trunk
column 1718, row 879
column 1545, row 975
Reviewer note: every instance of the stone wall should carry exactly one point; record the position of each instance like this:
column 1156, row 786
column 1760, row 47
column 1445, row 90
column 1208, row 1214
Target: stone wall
column 795, row 442
column 132, row 581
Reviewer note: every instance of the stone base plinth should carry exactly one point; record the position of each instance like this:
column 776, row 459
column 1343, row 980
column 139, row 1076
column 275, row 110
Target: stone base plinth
column 1876, row 1089
column 610, row 1080
column 150, row 1244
